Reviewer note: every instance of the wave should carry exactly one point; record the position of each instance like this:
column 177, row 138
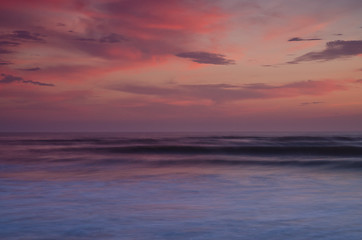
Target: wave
column 242, row 140
column 80, row 141
column 329, row 164
column 292, row 163
column 340, row 151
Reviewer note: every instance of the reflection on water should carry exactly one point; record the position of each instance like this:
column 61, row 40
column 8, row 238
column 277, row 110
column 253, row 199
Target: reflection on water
column 50, row 193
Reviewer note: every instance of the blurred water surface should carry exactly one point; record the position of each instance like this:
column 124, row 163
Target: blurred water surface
column 180, row 186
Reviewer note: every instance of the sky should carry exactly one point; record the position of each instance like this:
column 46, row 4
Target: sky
column 180, row 65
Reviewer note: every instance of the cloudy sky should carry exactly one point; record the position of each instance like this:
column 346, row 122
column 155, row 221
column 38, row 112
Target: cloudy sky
column 181, row 65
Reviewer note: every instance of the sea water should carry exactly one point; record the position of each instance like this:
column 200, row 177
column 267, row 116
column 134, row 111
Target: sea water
column 180, row 186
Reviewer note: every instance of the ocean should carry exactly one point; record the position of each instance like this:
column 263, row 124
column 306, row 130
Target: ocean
column 199, row 186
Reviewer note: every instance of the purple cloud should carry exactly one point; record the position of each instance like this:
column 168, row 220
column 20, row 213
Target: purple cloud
column 30, row 69
column 258, row 86
column 6, row 79
column 39, row 83
column 310, row 103
column 13, row 39
column 214, row 92
column 86, row 39
column 10, row 78
column 226, row 92
column 9, row 43
column 110, row 38
column 298, row 39
column 206, row 58
column 5, row 51
column 59, row 24
column 147, row 90
column 333, row 50
column 20, row 35
column 113, row 38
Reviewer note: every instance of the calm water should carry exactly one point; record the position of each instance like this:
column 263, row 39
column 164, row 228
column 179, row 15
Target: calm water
column 180, row 186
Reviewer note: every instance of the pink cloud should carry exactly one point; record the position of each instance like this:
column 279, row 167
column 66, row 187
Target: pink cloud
column 122, row 34
column 221, row 93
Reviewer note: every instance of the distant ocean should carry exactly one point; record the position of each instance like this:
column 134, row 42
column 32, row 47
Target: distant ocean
column 179, row 186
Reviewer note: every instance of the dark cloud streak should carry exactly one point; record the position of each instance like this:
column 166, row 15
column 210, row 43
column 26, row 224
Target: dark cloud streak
column 206, row 58
column 298, row 39
column 16, row 38
column 110, row 38
column 113, row 38
column 146, row 90
column 21, row 35
column 86, row 39
column 9, row 43
column 6, row 79
column 333, row 50
column 5, row 51
column 29, row 69
column 310, row 103
column 38, row 83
